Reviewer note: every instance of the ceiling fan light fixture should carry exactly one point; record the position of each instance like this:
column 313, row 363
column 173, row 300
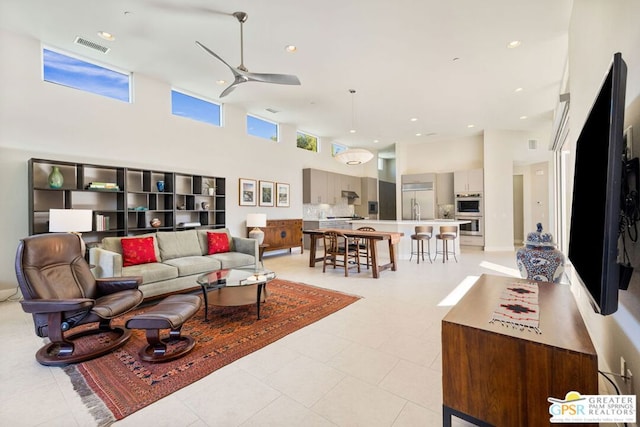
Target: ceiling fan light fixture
column 354, row 156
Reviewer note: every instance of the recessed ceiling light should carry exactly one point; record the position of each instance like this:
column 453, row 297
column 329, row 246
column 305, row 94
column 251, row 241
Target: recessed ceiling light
column 290, row 48
column 518, row 89
column 375, row 141
column 471, row 126
column 514, row 44
column 523, row 117
column 414, row 119
column 107, row 36
column 221, row 82
column 352, row 131
column 418, row 134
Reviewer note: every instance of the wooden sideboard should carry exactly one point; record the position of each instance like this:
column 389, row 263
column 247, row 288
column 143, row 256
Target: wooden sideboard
column 282, row 234
column 502, row 376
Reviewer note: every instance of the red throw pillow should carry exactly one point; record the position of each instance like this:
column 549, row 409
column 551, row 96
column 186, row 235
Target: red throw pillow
column 218, row 243
column 138, row 250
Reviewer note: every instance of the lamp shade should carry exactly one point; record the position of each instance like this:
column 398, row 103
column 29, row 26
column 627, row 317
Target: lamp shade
column 70, row 220
column 256, row 220
column 354, row 156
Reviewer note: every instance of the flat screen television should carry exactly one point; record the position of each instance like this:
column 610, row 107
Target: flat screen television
column 597, row 188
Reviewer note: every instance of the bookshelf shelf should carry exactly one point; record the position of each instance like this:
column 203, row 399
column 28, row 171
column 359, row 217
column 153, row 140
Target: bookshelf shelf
column 124, row 200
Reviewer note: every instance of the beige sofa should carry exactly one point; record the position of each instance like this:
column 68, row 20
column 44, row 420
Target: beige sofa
column 182, row 256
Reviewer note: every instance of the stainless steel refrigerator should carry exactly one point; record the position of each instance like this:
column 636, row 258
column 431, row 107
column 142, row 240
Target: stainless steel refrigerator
column 418, row 201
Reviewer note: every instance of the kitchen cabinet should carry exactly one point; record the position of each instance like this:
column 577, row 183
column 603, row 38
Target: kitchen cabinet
column 369, row 193
column 444, row 188
column 320, row 186
column 314, row 186
column 468, row 181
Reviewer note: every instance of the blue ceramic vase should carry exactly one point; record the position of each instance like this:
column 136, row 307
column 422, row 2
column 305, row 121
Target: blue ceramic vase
column 539, row 259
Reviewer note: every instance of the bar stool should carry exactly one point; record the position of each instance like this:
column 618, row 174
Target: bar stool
column 422, row 233
column 447, row 233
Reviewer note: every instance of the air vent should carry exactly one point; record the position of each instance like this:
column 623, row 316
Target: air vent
column 272, row 110
column 533, row 144
column 91, row 45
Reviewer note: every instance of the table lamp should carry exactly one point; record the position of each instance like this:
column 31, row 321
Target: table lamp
column 257, row 220
column 71, row 221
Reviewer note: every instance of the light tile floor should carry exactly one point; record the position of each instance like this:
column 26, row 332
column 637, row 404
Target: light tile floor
column 375, row 363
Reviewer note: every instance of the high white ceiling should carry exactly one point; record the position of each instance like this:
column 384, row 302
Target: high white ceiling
column 445, row 63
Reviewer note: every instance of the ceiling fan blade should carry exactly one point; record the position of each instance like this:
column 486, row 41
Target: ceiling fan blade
column 228, row 90
column 281, row 79
column 210, row 52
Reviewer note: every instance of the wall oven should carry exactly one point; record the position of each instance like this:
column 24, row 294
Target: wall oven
column 473, row 228
column 468, row 205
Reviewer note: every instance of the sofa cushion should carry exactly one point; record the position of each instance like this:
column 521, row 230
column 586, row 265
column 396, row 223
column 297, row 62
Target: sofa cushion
column 204, row 242
column 234, row 259
column 114, row 244
column 153, row 272
column 137, row 250
column 176, row 244
column 194, row 265
column 218, row 243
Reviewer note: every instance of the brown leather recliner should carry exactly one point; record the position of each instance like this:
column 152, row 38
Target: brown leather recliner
column 61, row 293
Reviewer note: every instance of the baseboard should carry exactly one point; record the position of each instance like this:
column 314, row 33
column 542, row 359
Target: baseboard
column 9, row 293
column 499, row 248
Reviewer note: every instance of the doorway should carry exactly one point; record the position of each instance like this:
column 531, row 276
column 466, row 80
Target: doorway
column 518, row 210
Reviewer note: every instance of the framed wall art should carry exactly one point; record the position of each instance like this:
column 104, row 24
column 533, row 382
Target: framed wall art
column 266, row 191
column 282, row 195
column 247, row 192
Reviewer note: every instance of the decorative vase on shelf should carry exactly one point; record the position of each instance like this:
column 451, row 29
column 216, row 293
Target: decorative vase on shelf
column 155, row 222
column 55, row 178
column 539, row 259
column 160, row 185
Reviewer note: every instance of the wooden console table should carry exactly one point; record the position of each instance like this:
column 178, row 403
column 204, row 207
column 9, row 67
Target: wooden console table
column 282, row 234
column 502, row 376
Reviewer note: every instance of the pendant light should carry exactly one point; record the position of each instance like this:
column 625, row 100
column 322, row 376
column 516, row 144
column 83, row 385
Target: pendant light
column 354, row 156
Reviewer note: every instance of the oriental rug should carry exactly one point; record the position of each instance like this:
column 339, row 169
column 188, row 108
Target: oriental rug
column 118, row 384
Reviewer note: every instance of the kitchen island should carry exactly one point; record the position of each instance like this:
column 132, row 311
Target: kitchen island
column 407, row 227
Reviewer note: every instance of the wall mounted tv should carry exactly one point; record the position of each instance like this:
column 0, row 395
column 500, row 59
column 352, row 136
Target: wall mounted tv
column 597, row 188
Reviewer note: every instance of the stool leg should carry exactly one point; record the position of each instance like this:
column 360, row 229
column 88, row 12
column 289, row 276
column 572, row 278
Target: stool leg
column 411, row 257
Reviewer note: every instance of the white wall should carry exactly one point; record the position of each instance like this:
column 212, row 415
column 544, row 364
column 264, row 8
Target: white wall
column 44, row 120
column 598, row 30
column 441, row 156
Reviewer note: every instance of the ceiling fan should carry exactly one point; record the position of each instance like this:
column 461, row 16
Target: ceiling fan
column 240, row 73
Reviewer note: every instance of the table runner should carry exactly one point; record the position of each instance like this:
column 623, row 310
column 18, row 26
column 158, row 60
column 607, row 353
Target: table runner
column 519, row 307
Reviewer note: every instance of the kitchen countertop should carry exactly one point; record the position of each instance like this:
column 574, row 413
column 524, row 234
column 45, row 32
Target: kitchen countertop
column 410, row 222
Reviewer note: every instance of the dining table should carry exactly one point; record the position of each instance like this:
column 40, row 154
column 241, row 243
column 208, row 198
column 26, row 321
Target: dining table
column 372, row 237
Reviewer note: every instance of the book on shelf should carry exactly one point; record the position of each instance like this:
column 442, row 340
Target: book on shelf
column 189, row 224
column 102, row 222
column 102, row 186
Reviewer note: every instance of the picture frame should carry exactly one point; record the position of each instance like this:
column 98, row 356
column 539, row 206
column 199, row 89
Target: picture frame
column 247, row 192
column 282, row 195
column 267, row 193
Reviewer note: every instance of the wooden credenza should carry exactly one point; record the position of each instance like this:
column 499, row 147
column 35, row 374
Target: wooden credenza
column 282, row 234
column 502, row 376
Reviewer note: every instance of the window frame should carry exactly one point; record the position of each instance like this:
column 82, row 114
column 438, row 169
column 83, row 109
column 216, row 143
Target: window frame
column 277, row 127
column 199, row 98
column 307, row 134
column 91, row 62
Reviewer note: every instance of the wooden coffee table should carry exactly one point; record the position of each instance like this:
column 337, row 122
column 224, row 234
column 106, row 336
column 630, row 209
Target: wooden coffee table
column 235, row 278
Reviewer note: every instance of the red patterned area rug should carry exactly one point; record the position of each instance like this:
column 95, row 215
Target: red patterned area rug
column 118, row 384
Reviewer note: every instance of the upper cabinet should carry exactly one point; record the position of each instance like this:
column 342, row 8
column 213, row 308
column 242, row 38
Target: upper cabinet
column 320, row 186
column 468, row 181
column 123, row 201
column 444, row 188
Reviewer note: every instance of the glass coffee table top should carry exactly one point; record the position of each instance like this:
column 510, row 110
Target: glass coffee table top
column 235, row 277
